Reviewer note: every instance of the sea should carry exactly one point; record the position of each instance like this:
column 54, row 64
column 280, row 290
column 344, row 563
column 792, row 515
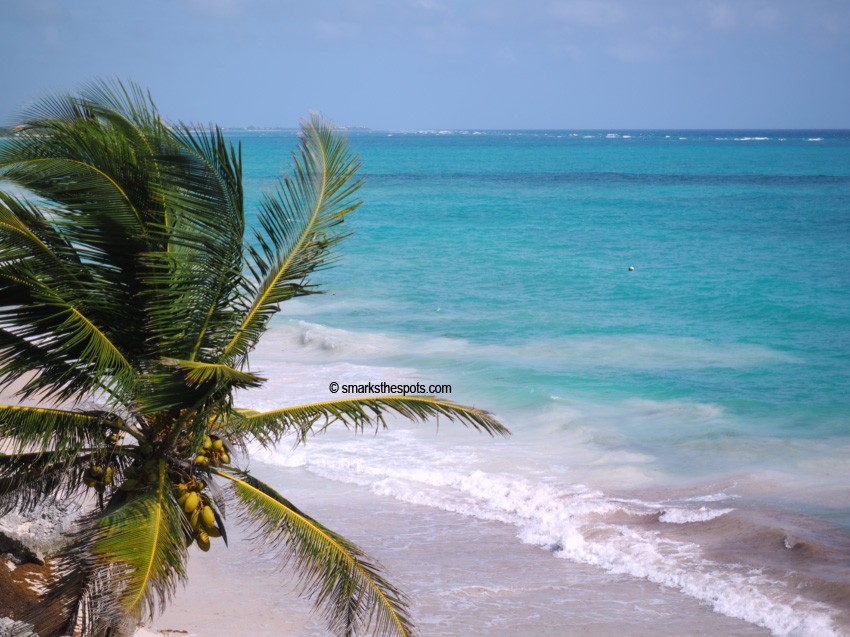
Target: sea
column 662, row 320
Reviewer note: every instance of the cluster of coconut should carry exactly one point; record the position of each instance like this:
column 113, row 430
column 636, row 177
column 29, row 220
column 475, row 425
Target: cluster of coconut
column 213, row 452
column 98, row 477
column 202, row 518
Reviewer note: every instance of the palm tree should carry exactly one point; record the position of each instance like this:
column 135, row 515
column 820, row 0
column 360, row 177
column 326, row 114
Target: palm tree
column 131, row 295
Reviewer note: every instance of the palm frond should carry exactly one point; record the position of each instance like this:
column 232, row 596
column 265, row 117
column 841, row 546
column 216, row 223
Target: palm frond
column 126, row 276
column 62, row 330
column 96, row 170
column 26, row 233
column 55, row 431
column 46, row 373
column 349, row 589
column 268, row 427
column 27, row 479
column 298, row 227
column 199, row 277
column 126, row 105
column 142, row 541
column 49, row 306
column 197, row 374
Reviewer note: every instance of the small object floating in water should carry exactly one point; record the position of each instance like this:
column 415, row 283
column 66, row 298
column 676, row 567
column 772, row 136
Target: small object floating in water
column 631, row 268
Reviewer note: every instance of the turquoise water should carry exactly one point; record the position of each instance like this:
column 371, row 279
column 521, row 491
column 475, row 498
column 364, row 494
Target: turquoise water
column 517, row 239
column 712, row 378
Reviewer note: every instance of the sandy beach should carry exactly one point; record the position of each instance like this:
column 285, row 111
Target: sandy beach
column 464, row 577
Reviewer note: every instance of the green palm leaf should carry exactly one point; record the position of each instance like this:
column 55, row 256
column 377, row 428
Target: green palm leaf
column 44, row 372
column 268, row 427
column 347, row 587
column 26, row 234
column 57, row 431
column 299, row 226
column 205, row 373
column 199, row 277
column 127, row 281
column 45, row 292
column 63, row 331
column 142, row 539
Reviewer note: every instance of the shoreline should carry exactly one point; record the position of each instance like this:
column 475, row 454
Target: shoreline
column 515, row 588
column 490, row 575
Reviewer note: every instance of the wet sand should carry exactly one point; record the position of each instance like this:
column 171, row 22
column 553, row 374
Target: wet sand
column 464, row 577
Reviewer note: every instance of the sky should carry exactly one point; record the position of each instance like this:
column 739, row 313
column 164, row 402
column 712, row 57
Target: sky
column 445, row 64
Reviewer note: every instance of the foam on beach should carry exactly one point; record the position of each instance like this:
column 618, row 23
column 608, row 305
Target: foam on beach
column 573, row 522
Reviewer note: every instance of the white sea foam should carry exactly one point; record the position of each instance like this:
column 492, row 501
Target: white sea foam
column 574, row 521
column 721, row 496
column 664, row 412
column 752, row 139
column 686, row 516
column 815, row 139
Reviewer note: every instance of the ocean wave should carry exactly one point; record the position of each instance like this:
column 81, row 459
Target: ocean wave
column 687, row 516
column 303, row 341
column 721, row 496
column 595, row 178
column 577, row 523
column 672, row 411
